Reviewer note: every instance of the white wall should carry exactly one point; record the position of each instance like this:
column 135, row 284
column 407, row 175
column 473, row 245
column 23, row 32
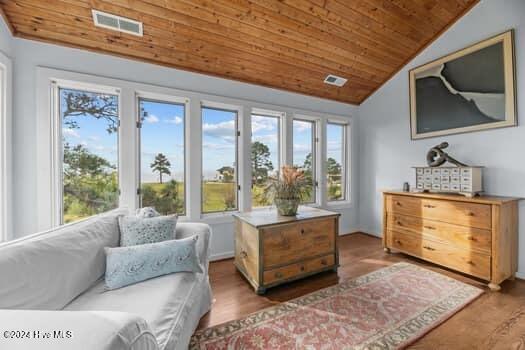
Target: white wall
column 29, row 55
column 6, row 40
column 386, row 153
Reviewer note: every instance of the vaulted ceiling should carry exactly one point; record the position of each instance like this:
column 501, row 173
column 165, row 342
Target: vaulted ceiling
column 284, row 44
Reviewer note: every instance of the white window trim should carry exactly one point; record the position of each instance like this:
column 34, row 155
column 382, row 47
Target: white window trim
column 129, row 149
column 347, row 202
column 57, row 194
column 6, row 89
column 239, row 164
column 158, row 97
column 317, row 148
column 280, row 138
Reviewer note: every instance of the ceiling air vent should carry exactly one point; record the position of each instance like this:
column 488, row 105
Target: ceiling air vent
column 335, row 80
column 121, row 24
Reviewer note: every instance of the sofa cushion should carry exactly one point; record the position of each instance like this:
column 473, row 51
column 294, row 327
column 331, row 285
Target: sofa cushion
column 166, row 303
column 49, row 269
column 136, row 230
column 128, row 265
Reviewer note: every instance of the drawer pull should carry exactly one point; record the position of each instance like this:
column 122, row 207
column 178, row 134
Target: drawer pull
column 278, row 275
column 399, row 223
column 470, row 262
column 469, row 213
column 302, row 231
column 302, row 268
column 429, row 206
column 243, row 255
column 324, row 262
column 398, row 204
column 429, row 248
column 398, row 241
column 470, row 238
column 429, row 227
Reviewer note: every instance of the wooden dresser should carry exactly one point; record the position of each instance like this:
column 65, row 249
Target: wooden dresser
column 271, row 249
column 477, row 236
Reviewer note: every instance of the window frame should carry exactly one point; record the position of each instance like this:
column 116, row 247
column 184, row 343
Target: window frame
column 280, row 130
column 6, row 88
column 316, row 152
column 206, row 104
column 347, row 162
column 161, row 98
column 57, row 188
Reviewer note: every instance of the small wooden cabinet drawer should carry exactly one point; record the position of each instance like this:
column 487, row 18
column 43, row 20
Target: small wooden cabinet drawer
column 464, row 260
column 289, row 243
column 461, row 236
column 456, row 212
column 295, row 270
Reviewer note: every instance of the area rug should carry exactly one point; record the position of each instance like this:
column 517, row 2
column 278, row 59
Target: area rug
column 386, row 309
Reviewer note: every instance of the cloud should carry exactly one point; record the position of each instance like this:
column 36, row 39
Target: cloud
column 174, row 120
column 70, row 133
column 263, row 124
column 266, row 139
column 151, row 119
column 223, row 130
column 301, row 126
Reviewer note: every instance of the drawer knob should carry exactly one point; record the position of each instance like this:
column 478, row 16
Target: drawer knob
column 470, row 238
column 469, row 213
column 398, row 241
column 399, row 223
column 278, row 274
column 429, row 227
column 398, row 204
column 470, row 262
column 429, row 206
column 243, row 255
column 302, row 268
column 324, row 262
column 302, row 231
column 429, row 248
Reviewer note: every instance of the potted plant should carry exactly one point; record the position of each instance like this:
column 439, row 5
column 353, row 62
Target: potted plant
column 288, row 190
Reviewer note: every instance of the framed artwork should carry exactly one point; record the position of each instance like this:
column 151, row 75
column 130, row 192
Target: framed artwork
column 469, row 90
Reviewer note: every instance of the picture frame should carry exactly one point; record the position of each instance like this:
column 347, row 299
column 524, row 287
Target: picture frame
column 470, row 90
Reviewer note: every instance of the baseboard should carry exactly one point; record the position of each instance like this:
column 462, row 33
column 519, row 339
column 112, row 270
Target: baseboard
column 520, row 275
column 222, row 256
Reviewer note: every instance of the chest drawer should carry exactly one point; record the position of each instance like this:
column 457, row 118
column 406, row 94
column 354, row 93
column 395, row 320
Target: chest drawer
column 475, row 264
column 455, row 212
column 285, row 244
column 462, row 236
column 293, row 270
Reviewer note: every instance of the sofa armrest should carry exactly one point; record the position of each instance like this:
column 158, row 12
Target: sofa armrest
column 203, row 231
column 105, row 330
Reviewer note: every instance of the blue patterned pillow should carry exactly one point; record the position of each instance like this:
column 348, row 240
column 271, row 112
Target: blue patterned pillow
column 128, row 265
column 135, row 230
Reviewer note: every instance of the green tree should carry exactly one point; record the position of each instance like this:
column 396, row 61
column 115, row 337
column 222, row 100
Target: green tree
column 161, row 164
column 261, row 163
column 333, row 168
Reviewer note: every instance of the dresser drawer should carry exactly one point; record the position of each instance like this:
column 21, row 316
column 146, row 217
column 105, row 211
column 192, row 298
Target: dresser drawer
column 297, row 269
column 284, row 244
column 456, row 212
column 464, row 237
column 467, row 261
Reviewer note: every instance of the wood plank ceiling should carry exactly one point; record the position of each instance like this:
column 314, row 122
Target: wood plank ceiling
column 284, row 44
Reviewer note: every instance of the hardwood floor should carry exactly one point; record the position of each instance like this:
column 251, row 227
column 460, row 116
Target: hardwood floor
column 496, row 320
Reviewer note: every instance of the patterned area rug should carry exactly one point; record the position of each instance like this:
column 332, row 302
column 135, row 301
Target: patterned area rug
column 386, row 309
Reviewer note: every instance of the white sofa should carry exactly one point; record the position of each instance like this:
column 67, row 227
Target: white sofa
column 52, row 287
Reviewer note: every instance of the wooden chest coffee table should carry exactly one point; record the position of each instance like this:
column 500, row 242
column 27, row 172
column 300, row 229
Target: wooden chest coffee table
column 271, row 249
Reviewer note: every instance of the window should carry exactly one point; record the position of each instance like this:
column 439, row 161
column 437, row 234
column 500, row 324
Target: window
column 336, row 161
column 264, row 156
column 89, row 124
column 162, row 175
column 304, row 156
column 219, row 160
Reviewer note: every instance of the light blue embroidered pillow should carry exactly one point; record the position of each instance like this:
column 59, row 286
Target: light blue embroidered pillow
column 128, row 265
column 135, row 230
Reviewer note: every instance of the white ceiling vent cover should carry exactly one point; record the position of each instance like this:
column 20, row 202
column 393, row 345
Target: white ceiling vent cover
column 335, row 80
column 120, row 24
